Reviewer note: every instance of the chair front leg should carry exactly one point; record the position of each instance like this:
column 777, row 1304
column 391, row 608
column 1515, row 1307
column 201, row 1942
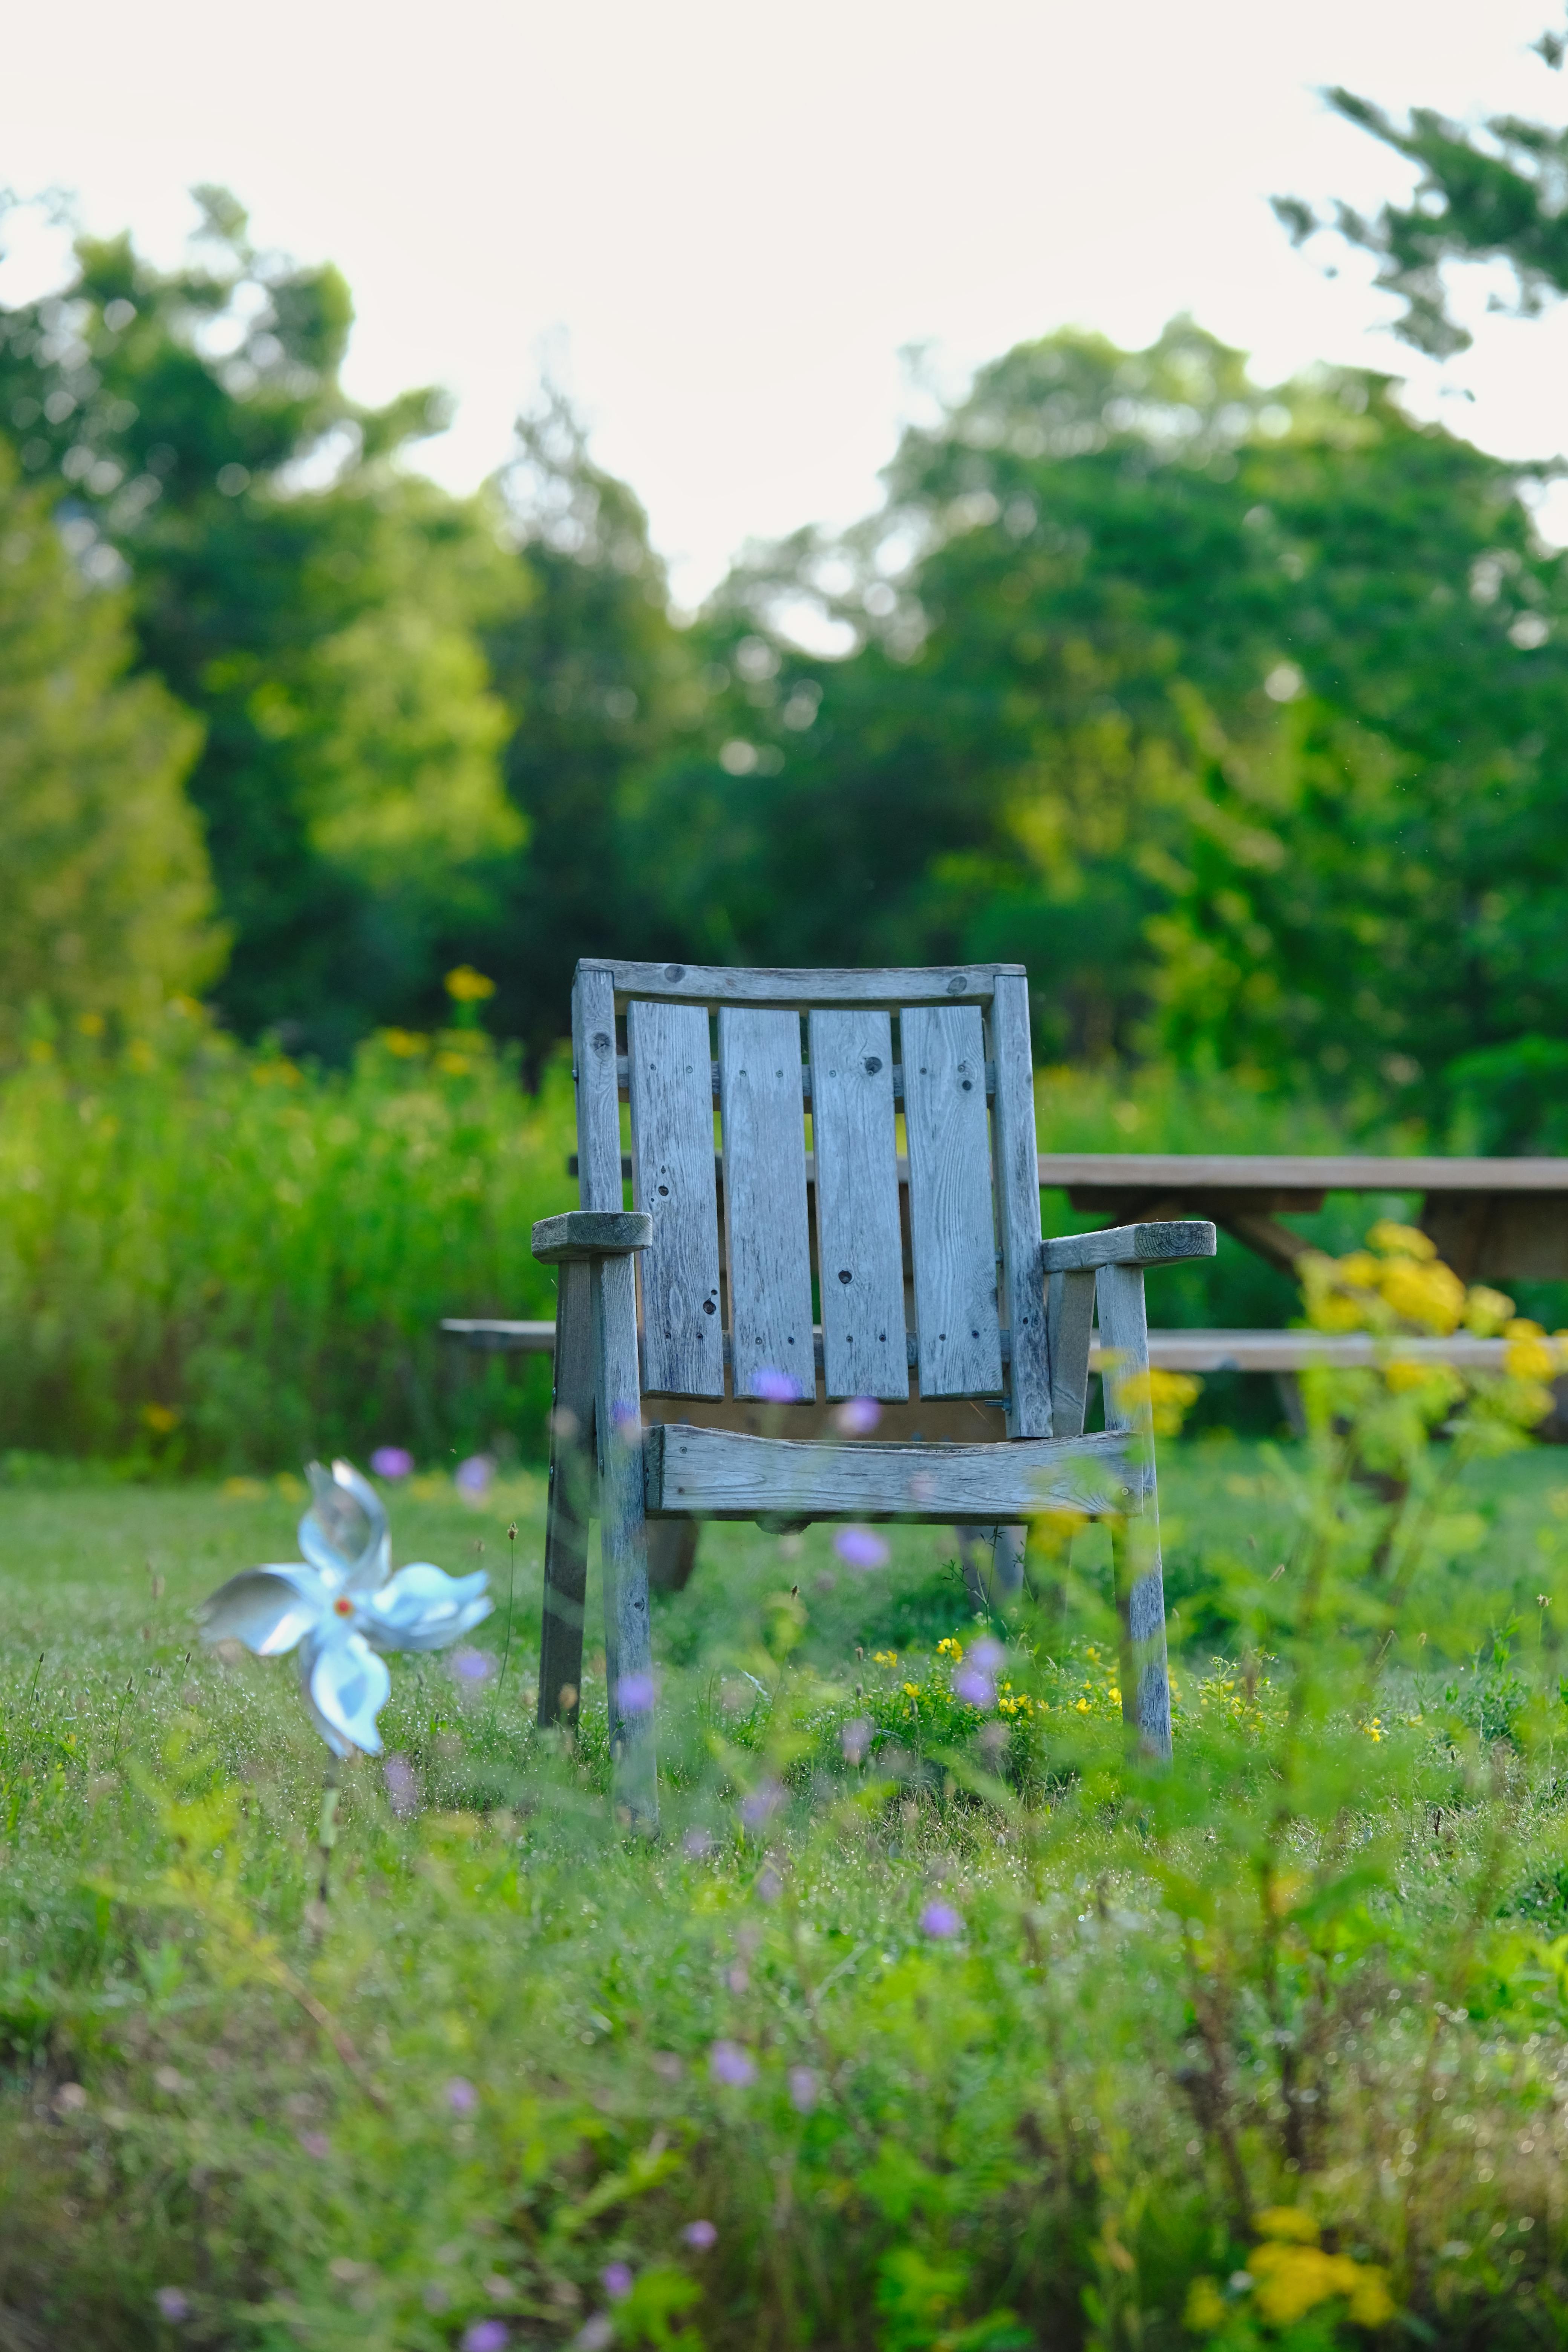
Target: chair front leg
column 623, row 1536
column 1135, row 1540
column 567, row 1512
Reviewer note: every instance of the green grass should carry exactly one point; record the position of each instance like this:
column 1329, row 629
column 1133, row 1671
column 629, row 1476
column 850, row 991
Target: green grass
column 489, row 2077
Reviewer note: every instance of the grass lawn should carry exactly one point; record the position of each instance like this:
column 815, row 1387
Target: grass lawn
column 923, row 2024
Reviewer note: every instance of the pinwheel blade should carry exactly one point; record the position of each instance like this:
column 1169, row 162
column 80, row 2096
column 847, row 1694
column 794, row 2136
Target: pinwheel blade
column 268, row 1609
column 423, row 1607
column 346, row 1686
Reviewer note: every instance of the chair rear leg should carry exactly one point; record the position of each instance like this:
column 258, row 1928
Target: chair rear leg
column 1135, row 1540
column 571, row 1484
column 623, row 1539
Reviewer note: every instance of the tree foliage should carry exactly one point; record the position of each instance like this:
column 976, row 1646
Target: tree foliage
column 108, row 901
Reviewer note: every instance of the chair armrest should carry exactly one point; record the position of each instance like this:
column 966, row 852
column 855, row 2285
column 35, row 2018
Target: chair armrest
column 591, row 1232
column 1162, row 1242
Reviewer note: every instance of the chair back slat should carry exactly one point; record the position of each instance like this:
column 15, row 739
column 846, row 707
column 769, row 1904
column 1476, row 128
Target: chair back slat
column 768, row 1246
column 859, row 1249
column 951, row 1223
column 1019, row 1211
column 672, row 1178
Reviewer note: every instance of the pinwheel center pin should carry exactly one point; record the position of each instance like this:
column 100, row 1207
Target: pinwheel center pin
column 343, row 1605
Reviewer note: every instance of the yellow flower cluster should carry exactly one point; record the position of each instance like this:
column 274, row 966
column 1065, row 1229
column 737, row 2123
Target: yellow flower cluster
column 1398, row 1283
column 1166, row 1397
column 884, row 1657
column 948, row 1648
column 1012, row 1703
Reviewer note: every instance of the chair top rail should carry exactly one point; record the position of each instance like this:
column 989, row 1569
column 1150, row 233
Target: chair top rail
column 716, row 984
column 623, row 1078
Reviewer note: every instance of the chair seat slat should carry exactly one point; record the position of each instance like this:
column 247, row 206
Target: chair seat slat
column 860, row 1248
column 952, row 1224
column 673, row 1178
column 721, row 1473
column 768, row 1245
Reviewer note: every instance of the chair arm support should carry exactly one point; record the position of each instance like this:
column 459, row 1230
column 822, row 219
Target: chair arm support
column 592, row 1232
column 1162, row 1242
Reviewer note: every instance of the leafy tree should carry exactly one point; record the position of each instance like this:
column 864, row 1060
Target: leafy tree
column 108, row 895
column 1482, row 195
column 598, row 682
column 313, row 605
column 1236, row 712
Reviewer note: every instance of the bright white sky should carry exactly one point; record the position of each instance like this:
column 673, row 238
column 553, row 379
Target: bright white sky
column 720, row 221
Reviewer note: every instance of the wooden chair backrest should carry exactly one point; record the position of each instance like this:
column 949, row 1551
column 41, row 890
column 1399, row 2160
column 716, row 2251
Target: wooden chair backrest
column 959, row 1070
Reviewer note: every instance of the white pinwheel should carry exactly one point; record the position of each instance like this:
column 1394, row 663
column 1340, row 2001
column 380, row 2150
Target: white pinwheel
column 339, row 1606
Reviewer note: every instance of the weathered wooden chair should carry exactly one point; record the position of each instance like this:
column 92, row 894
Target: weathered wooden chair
column 672, row 1413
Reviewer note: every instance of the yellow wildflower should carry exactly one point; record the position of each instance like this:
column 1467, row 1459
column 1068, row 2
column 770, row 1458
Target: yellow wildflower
column 948, row 1648
column 1206, row 2307
column 884, row 1657
column 1294, row 2279
column 912, row 1690
column 1431, row 1294
column 1401, row 1241
column 160, row 1419
column 406, row 1043
column 1166, row 1397
column 1401, row 1374
column 1530, row 1359
column 466, row 986
column 1486, row 1311
column 456, row 1066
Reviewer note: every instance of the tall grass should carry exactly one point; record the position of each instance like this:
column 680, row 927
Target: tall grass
column 213, row 1258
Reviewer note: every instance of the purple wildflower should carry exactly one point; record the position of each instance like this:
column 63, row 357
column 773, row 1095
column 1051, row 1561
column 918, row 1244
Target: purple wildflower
column 857, row 1416
column 987, row 1654
column 472, row 1477
column 461, row 2095
column 762, row 1804
column 731, row 2064
column 634, row 1694
column 173, row 2304
column 940, row 1920
column 802, row 2090
column 855, row 1739
column 859, row 1547
column 392, row 1462
column 316, row 2144
column 401, row 1787
column 615, row 2278
column 595, row 2332
column 770, row 1886
column 700, row 2234
column 487, row 2335
column 776, row 1387
column 696, row 1844
column 973, row 1686
column 472, row 1665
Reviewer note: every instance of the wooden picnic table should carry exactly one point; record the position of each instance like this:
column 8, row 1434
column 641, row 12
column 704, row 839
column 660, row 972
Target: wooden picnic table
column 1491, row 1220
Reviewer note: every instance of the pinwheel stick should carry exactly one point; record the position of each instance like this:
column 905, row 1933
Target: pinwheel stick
column 327, row 1836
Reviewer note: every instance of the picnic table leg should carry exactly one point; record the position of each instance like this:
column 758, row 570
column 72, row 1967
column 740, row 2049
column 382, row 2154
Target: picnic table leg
column 571, row 1486
column 1135, row 1540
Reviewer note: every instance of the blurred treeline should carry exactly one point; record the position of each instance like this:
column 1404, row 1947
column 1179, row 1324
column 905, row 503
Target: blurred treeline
column 1238, row 713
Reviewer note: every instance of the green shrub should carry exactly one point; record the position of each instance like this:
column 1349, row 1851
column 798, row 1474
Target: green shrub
column 210, row 1258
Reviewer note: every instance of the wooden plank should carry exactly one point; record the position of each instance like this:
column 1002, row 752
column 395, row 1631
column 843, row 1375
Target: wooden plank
column 622, row 1544
column 713, row 1474
column 768, row 1240
column 1069, row 1318
column 1135, row 1545
column 673, row 1178
column 1191, row 1175
column 624, row 1080
column 598, row 1098
column 591, row 1232
column 570, row 1502
column 860, row 1247
column 1018, row 1211
column 1162, row 1244
column 950, row 1223
column 1195, row 1350
column 716, row 984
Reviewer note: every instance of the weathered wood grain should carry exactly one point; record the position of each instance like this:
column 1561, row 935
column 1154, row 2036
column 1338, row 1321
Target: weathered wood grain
column 716, row 984
column 1165, row 1242
column 571, row 1473
column 951, row 1221
column 673, row 1180
column 598, row 1098
column 715, row 1473
column 623, row 1545
column 1070, row 1323
column 1018, row 1211
column 768, row 1241
column 590, row 1233
column 1135, row 1545
column 860, row 1248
